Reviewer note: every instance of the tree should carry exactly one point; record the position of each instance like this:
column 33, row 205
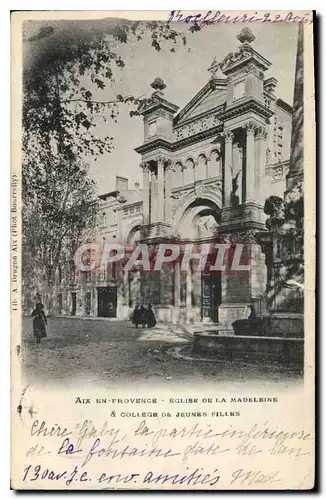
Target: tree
column 66, row 68
column 63, row 65
column 59, row 206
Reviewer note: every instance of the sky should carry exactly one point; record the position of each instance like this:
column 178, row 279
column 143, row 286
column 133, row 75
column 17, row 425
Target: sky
column 185, row 73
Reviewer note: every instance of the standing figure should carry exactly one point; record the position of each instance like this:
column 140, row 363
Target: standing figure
column 39, row 322
column 252, row 314
column 143, row 316
column 137, row 316
column 151, row 320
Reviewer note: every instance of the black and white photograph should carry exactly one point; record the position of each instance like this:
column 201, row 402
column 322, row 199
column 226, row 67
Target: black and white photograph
column 183, row 138
column 161, row 203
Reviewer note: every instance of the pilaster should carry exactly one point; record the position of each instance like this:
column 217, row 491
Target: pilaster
column 160, row 189
column 167, row 194
column 146, row 187
column 250, row 129
column 228, row 135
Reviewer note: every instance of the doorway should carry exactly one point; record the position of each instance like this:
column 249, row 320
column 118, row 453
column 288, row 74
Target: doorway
column 107, row 302
column 73, row 304
column 210, row 296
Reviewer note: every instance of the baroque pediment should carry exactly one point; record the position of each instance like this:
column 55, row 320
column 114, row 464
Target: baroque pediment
column 211, row 96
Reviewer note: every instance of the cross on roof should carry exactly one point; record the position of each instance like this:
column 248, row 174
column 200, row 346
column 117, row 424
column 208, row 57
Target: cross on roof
column 215, row 69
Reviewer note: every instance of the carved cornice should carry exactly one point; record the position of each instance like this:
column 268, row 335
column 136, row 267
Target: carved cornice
column 204, row 114
column 247, row 237
column 157, row 102
column 241, row 58
column 175, row 146
column 155, row 144
column 246, row 105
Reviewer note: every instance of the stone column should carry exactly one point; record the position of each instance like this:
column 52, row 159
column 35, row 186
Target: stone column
column 196, row 172
column 177, row 285
column 197, row 276
column 168, row 186
column 189, row 294
column 145, row 168
column 250, row 161
column 228, row 167
column 260, row 161
column 125, row 285
column 160, row 189
column 153, row 217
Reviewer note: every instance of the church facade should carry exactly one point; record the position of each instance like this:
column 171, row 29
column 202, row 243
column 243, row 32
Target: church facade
column 207, row 171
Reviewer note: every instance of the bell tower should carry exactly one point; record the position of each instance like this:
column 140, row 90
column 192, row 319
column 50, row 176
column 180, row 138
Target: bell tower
column 158, row 114
column 156, row 152
column 245, row 119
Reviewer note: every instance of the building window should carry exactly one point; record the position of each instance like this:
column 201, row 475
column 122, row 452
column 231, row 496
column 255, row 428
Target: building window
column 114, row 217
column 103, row 219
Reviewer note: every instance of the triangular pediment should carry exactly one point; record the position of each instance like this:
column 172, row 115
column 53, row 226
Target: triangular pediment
column 212, row 95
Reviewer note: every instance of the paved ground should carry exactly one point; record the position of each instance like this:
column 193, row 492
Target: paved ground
column 112, row 352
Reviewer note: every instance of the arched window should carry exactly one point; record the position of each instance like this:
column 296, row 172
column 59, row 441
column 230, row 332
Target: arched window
column 189, row 172
column 177, row 177
column 201, row 168
column 134, row 235
column 215, row 165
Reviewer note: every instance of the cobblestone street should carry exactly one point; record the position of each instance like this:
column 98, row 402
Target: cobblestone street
column 115, row 352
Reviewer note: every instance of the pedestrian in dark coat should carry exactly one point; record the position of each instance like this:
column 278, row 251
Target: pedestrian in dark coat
column 151, row 320
column 143, row 316
column 137, row 316
column 252, row 314
column 39, row 322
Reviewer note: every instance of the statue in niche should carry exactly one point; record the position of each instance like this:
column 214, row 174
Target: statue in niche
column 207, row 224
column 268, row 156
column 235, row 198
column 236, row 193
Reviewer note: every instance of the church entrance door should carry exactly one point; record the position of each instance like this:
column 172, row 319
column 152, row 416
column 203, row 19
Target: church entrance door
column 210, row 296
column 107, row 302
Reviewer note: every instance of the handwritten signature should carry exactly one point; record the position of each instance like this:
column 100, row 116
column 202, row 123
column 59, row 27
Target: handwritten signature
column 217, row 17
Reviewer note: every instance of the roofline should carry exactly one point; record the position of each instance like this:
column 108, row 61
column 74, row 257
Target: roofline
column 159, row 103
column 284, row 105
column 110, row 193
column 196, row 97
column 160, row 142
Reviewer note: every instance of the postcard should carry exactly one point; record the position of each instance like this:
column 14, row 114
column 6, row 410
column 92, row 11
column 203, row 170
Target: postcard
column 162, row 250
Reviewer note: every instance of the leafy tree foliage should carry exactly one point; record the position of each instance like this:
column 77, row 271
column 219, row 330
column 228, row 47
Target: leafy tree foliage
column 65, row 69
column 65, row 63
